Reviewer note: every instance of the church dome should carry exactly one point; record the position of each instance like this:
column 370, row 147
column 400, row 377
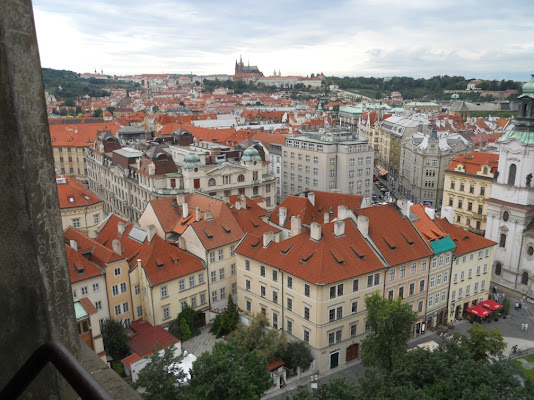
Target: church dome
column 251, row 154
column 455, row 96
column 191, row 161
column 528, row 88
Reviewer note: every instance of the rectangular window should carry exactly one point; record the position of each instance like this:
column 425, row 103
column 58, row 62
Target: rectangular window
column 164, row 291
column 307, row 290
column 98, row 305
column 390, row 295
column 247, row 285
column 370, row 281
column 85, row 290
column 76, row 221
column 117, row 271
column 223, row 293
column 181, row 285
column 290, row 304
column 125, row 307
column 212, row 256
column 118, row 310
column 423, row 265
column 340, row 289
column 262, row 291
column 249, row 306
column 306, row 336
column 401, row 292
column 247, row 265
column 262, row 270
column 139, row 311
column 202, row 298
column 114, row 290
column 421, row 285
column 377, row 278
column 193, row 301
column 214, row 296
column 200, row 279
column 392, row 274
column 432, row 282
column 354, row 307
column 420, row 306
column 289, row 326
column 213, row 275
column 403, row 272
column 355, row 283
column 414, row 268
column 438, row 280
column 275, row 276
column 191, row 281
column 221, row 273
column 137, row 289
column 353, row 331
column 306, row 313
column 166, row 313
column 412, row 289
column 445, row 277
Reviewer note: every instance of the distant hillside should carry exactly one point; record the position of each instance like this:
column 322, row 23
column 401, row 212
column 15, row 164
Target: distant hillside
column 65, row 85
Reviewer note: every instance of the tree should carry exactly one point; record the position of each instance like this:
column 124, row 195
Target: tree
column 483, row 343
column 335, row 389
column 189, row 315
column 162, row 377
column 184, row 327
column 267, row 343
column 228, row 372
column 297, row 354
column 110, row 109
column 98, row 113
column 115, row 339
column 390, row 322
column 230, row 317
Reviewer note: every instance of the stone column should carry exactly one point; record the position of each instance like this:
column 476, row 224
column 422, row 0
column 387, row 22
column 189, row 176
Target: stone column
column 35, row 290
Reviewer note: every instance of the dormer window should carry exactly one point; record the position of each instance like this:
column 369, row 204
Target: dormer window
column 71, row 199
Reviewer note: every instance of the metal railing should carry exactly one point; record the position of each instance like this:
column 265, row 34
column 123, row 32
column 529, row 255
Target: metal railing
column 69, row 367
column 520, row 353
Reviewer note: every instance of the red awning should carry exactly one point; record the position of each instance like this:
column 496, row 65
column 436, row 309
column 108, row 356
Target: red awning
column 479, row 311
column 492, row 305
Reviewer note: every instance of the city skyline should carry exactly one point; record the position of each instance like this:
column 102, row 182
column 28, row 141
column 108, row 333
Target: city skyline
column 342, row 38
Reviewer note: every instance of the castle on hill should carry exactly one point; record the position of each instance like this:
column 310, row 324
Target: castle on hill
column 241, row 68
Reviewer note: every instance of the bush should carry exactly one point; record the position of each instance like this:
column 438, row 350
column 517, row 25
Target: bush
column 189, row 315
column 118, row 367
column 297, row 354
column 184, row 327
column 506, row 307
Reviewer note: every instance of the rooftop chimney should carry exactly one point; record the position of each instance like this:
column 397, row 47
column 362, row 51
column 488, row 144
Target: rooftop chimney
column 180, row 199
column 409, row 205
column 326, row 217
column 117, row 248
column 311, row 198
column 363, row 225
column 208, row 216
column 185, row 210
column 120, row 228
column 226, row 199
column 244, row 202
column 198, row 214
column 296, row 226
column 315, row 231
column 74, row 244
column 151, row 230
column 267, row 238
column 448, row 213
column 339, row 228
column 342, row 212
column 238, row 205
column 430, row 212
column 282, row 214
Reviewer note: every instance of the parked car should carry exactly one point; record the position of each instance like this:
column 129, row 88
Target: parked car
column 375, row 179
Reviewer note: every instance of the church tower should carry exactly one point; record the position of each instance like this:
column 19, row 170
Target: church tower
column 511, row 206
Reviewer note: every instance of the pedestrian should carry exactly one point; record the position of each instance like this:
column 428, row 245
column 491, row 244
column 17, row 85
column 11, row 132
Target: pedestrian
column 523, row 326
column 516, row 305
column 526, row 327
column 520, row 306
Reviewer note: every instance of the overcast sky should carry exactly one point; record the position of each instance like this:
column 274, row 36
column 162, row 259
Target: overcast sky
column 488, row 39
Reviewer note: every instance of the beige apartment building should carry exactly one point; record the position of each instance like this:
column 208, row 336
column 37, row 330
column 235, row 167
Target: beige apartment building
column 471, row 268
column 116, row 272
column 127, row 179
column 336, row 160
column 406, row 254
column 70, row 142
column 312, row 286
column 468, row 182
column 80, row 208
column 163, row 278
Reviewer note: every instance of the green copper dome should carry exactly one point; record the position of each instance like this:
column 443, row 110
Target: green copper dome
column 455, row 96
column 528, row 88
column 251, row 154
column 191, row 161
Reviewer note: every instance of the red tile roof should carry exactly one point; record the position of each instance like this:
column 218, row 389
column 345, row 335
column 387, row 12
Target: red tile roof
column 161, row 260
column 128, row 361
column 426, row 227
column 329, row 202
column 73, row 193
column 147, row 338
column 393, row 234
column 80, row 268
column 474, row 161
column 330, row 259
column 465, row 241
column 296, row 206
column 79, row 135
column 89, row 307
column 99, row 253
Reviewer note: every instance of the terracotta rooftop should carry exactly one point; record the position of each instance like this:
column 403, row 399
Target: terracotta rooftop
column 80, row 268
column 79, row 135
column 465, row 241
column 474, row 161
column 73, row 194
column 330, row 259
column 89, row 307
column 147, row 339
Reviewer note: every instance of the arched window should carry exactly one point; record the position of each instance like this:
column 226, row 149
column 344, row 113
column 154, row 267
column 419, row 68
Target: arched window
column 524, row 278
column 502, row 240
column 498, row 267
column 211, row 182
column 241, row 178
column 511, row 174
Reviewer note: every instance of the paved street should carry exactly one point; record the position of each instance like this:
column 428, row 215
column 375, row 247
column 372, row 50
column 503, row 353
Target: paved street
column 509, row 327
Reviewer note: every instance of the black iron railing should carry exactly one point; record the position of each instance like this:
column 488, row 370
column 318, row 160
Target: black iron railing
column 71, row 369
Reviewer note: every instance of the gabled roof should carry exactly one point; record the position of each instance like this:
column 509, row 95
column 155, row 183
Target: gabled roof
column 330, row 259
column 89, row 307
column 99, row 253
column 436, row 238
column 148, row 339
column 473, row 162
column 296, row 206
column 393, row 234
column 329, row 202
column 80, row 268
column 465, row 241
column 73, row 193
column 161, row 260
